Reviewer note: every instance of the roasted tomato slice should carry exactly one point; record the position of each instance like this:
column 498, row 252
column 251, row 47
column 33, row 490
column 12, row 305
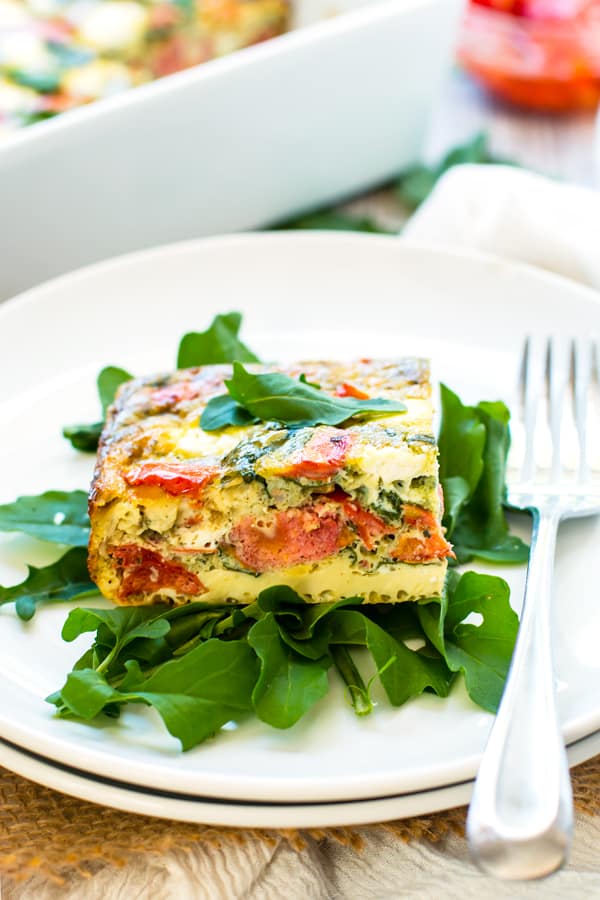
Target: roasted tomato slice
column 348, row 390
column 146, row 571
column 369, row 526
column 423, row 540
column 173, row 477
column 322, row 456
column 171, row 394
column 289, row 537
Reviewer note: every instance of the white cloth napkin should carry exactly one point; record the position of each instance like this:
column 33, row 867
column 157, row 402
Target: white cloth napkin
column 515, row 214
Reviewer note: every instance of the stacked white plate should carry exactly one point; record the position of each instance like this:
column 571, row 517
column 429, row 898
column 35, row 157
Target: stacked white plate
column 303, row 296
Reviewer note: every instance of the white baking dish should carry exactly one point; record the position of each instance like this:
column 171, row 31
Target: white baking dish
column 305, row 119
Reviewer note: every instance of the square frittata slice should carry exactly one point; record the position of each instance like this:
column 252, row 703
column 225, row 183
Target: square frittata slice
column 180, row 514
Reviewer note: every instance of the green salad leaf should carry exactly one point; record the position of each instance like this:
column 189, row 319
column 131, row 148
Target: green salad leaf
column 404, row 673
column 43, row 82
column 335, row 220
column 86, row 437
column 109, row 379
column 277, row 397
column 415, row 184
column 289, row 683
column 482, row 652
column 473, row 444
column 60, row 517
column 218, row 344
column 273, row 656
column 194, row 695
column 224, row 410
column 65, row 579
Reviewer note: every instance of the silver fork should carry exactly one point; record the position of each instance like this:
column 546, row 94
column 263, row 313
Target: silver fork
column 521, row 814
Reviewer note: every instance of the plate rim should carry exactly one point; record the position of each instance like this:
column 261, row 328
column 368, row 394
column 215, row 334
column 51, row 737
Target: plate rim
column 217, row 811
column 305, row 236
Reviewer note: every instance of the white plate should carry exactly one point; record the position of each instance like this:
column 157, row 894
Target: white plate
column 303, row 295
column 211, row 811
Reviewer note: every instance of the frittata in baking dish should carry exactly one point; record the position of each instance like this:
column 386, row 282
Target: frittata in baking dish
column 59, row 54
column 179, row 513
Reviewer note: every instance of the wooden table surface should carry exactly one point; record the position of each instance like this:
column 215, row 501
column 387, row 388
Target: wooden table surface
column 562, row 146
column 566, row 147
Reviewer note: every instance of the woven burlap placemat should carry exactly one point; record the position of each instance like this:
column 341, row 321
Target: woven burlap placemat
column 55, row 836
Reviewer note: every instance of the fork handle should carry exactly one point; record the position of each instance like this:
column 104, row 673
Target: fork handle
column 521, row 815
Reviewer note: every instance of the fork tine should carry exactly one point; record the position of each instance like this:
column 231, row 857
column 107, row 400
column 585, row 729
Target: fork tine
column 531, row 386
column 581, row 369
column 557, row 378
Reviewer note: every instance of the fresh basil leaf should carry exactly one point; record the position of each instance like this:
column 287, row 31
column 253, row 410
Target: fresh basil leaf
column 473, row 444
column 86, row 437
column 218, row 344
column 277, row 397
column 334, row 220
column 482, row 652
column 65, row 579
column 416, row 183
column 288, row 684
column 60, row 517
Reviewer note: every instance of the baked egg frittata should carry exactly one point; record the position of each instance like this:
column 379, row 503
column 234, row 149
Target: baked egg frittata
column 180, row 514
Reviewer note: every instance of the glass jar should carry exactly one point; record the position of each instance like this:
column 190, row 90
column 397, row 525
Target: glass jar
column 539, row 54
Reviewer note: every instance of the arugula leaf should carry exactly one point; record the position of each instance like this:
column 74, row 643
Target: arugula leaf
column 201, row 666
column 224, row 410
column 335, row 220
column 109, row 379
column 277, row 397
column 474, row 443
column 357, row 689
column 288, row 684
column 461, row 443
column 116, row 629
column 43, row 82
column 124, row 623
column 60, row 517
column 482, row 652
column 404, row 673
column 85, row 693
column 218, row 344
column 86, row 437
column 299, row 622
column 415, row 184
column 195, row 695
column 65, row 579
